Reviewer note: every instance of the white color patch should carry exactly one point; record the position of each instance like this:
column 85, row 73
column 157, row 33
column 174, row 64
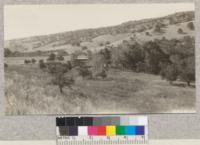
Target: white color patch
column 82, row 130
column 142, row 120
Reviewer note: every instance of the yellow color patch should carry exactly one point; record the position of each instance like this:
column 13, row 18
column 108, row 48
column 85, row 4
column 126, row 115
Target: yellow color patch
column 110, row 130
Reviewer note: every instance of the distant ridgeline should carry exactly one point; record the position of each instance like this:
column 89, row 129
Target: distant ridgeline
column 97, row 39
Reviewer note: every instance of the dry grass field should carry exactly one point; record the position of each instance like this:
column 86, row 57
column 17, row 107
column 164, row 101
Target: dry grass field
column 28, row 91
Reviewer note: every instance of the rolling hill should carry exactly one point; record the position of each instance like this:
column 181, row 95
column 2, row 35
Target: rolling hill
column 96, row 39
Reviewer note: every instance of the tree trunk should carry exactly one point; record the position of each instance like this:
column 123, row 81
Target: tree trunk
column 61, row 90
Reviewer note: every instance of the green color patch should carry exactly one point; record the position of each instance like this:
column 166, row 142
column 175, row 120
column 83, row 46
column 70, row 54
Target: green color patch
column 120, row 130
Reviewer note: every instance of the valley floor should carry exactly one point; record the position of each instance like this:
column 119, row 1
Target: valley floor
column 28, row 91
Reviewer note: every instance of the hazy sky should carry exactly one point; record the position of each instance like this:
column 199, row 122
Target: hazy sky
column 30, row 20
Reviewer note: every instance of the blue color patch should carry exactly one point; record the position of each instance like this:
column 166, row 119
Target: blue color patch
column 139, row 130
column 130, row 130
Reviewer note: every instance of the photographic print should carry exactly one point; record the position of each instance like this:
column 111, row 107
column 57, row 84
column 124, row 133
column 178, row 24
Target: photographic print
column 99, row 58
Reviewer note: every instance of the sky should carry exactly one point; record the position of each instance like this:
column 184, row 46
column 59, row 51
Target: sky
column 31, row 20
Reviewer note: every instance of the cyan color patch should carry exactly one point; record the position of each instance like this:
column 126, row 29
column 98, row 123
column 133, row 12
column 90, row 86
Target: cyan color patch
column 130, row 130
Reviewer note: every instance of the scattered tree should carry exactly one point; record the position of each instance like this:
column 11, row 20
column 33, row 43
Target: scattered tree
column 107, row 42
column 170, row 73
column 163, row 38
column 102, row 74
column 60, row 57
column 26, row 61
column 106, row 54
column 101, row 44
column 148, row 34
column 5, row 65
column 157, row 28
column 66, row 66
column 42, row 64
column 190, row 25
column 57, row 67
column 33, row 61
column 154, row 56
column 133, row 56
column 141, row 29
column 52, row 57
column 59, row 73
column 89, row 54
column 84, row 48
column 187, row 72
column 75, row 43
column 180, row 31
column 62, row 80
column 84, row 71
column 7, row 52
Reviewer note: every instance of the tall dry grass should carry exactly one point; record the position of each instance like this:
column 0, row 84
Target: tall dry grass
column 28, row 91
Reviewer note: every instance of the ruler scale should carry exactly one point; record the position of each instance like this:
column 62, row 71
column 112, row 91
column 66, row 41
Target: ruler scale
column 102, row 130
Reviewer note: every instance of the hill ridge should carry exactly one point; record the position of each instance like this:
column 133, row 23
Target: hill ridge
column 75, row 38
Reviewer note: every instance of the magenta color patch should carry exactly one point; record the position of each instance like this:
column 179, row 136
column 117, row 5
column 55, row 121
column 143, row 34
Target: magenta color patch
column 92, row 130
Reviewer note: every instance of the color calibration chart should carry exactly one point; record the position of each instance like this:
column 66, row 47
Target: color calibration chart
column 102, row 130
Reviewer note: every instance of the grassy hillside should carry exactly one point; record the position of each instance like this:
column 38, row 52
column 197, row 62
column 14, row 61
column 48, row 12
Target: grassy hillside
column 29, row 91
column 94, row 38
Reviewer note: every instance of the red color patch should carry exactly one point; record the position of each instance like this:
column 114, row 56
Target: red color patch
column 101, row 130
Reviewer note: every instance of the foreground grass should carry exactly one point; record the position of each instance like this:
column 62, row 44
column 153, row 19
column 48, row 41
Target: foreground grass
column 28, row 91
